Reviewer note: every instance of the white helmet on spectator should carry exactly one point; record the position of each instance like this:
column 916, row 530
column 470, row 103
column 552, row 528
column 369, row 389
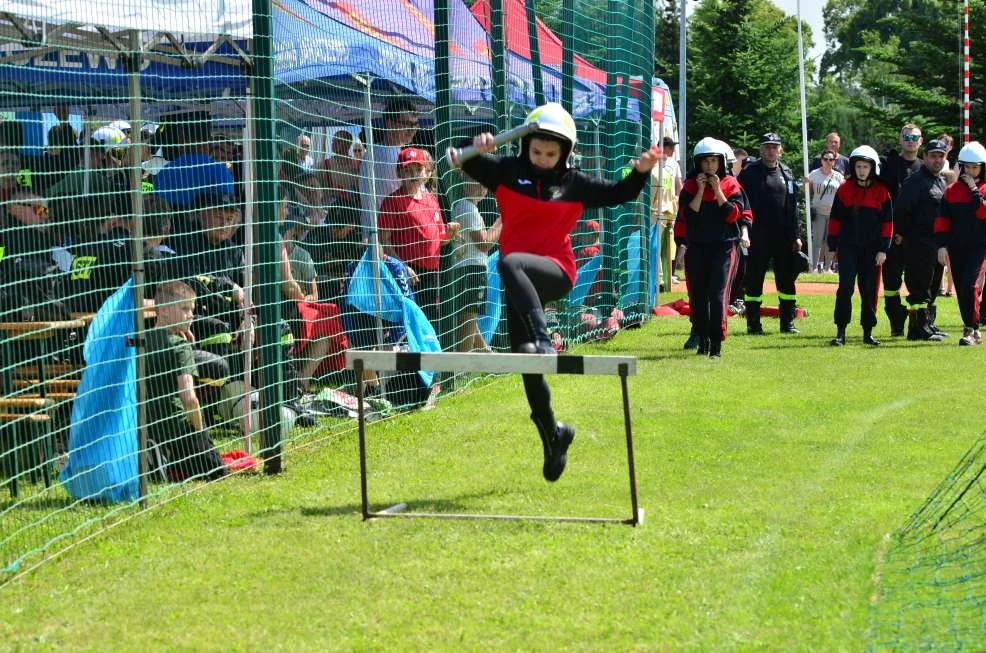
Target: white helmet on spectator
column 556, row 123
column 974, row 152
column 864, row 153
column 728, row 152
column 122, row 125
column 111, row 140
column 709, row 146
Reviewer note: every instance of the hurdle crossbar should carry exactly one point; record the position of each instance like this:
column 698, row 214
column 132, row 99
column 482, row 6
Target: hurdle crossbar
column 494, row 363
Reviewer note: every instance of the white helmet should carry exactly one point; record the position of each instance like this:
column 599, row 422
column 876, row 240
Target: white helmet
column 973, row 152
column 864, row 153
column 553, row 119
column 122, row 125
column 109, row 137
column 728, row 152
column 709, row 146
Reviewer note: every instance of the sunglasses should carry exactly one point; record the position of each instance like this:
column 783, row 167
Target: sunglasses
column 828, row 158
column 911, row 138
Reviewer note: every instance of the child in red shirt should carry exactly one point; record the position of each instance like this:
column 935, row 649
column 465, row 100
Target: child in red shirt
column 412, row 230
column 540, row 199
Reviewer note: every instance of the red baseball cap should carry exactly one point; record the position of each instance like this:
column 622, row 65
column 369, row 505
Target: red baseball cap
column 412, row 155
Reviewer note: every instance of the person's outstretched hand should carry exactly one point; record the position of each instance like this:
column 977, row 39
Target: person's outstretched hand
column 647, row 160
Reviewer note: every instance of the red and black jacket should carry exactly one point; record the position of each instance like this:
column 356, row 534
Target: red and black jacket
column 539, row 208
column 861, row 217
column 711, row 223
column 962, row 220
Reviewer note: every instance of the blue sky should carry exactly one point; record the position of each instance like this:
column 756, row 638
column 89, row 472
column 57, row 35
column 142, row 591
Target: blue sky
column 811, row 12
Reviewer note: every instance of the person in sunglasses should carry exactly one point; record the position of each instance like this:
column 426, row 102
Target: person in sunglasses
column 824, row 182
column 895, row 167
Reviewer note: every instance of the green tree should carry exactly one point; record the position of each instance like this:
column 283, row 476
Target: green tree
column 666, row 39
column 902, row 61
column 743, row 72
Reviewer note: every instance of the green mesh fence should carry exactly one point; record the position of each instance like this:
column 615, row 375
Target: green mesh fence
column 931, row 590
column 199, row 215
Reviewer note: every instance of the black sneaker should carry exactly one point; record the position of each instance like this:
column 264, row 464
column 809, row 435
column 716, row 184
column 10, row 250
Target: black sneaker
column 838, row 341
column 789, row 328
column 870, row 340
column 755, row 331
column 692, row 342
column 556, row 452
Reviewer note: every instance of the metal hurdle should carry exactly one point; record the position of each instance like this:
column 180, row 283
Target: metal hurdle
column 622, row 366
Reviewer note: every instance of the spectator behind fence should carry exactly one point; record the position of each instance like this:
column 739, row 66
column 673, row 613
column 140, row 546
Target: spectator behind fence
column 94, row 269
column 25, row 244
column 412, row 229
column 174, row 414
column 191, row 170
column 87, row 195
column 316, row 326
column 400, row 124
column 336, row 242
column 469, row 268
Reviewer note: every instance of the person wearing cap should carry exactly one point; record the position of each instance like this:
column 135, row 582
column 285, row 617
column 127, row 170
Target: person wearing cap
column 916, row 207
column 541, row 199
column 378, row 170
column 771, row 188
column 895, row 168
column 712, row 221
column 664, row 205
column 960, row 230
column 191, row 170
column 860, row 228
column 412, row 229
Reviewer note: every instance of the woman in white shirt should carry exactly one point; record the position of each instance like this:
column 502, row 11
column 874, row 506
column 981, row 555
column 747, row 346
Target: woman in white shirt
column 824, row 182
column 469, row 268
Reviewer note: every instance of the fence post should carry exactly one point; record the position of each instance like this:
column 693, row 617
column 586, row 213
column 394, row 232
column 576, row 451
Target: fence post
column 268, row 269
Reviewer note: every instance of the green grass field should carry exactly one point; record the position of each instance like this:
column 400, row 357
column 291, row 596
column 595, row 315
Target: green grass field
column 769, row 479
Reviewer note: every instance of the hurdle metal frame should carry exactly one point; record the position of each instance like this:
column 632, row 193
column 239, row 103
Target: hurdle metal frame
column 622, row 366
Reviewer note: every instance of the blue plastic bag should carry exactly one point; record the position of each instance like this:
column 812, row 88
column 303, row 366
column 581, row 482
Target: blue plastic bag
column 102, row 458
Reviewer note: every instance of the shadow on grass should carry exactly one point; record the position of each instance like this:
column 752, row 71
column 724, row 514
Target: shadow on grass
column 455, row 504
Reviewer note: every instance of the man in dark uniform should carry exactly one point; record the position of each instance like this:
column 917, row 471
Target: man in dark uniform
column 771, row 188
column 895, row 168
column 917, row 206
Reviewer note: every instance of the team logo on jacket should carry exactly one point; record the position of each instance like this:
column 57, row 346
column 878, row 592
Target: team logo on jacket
column 524, row 182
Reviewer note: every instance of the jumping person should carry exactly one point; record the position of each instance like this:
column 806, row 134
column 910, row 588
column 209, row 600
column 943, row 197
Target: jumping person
column 710, row 216
column 541, row 199
column 859, row 233
column 961, row 227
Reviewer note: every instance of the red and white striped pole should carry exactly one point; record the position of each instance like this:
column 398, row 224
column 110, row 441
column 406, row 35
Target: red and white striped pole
column 965, row 71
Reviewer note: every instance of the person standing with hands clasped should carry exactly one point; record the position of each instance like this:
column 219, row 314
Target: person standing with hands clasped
column 541, row 198
column 861, row 226
column 961, row 233
column 710, row 218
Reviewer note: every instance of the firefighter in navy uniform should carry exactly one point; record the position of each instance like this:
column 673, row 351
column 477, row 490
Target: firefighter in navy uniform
column 771, row 188
column 961, row 228
column 916, row 207
column 710, row 215
column 895, row 167
column 859, row 233
column 541, row 198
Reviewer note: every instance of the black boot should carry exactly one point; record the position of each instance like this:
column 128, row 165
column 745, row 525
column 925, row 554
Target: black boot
column 693, row 340
column 932, row 316
column 555, row 440
column 868, row 338
column 753, row 325
column 715, row 347
column 703, row 347
column 537, row 331
column 918, row 327
column 788, row 307
column 840, row 337
column 895, row 314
